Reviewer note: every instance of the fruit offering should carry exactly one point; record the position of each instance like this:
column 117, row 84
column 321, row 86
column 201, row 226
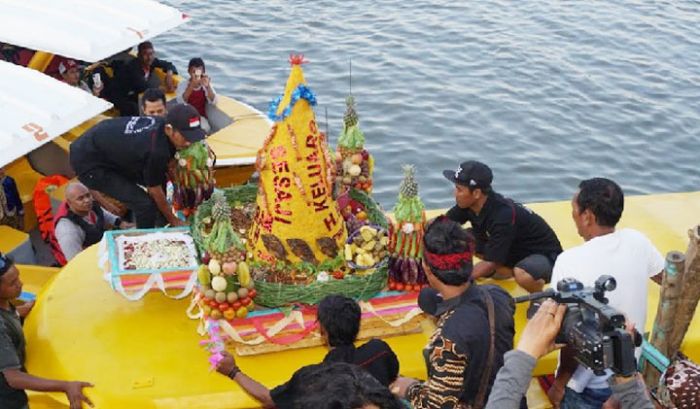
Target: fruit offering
column 406, row 236
column 367, row 247
column 224, row 275
column 354, row 164
column 192, row 177
column 227, row 304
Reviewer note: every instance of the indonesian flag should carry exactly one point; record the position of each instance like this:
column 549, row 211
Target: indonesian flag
column 194, row 122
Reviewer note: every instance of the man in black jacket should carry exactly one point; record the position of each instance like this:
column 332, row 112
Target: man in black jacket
column 122, row 156
column 137, row 75
column 475, row 325
column 511, row 240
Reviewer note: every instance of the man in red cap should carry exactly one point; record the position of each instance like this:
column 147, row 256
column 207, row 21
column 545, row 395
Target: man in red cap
column 127, row 158
column 70, row 73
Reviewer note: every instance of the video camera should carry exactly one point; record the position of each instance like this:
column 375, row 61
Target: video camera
column 594, row 329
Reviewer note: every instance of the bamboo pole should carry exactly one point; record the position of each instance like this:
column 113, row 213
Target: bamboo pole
column 671, row 287
column 690, row 293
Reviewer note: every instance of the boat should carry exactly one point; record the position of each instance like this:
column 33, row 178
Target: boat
column 92, row 32
column 146, row 354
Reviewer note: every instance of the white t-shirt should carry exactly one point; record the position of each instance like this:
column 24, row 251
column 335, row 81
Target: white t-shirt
column 628, row 256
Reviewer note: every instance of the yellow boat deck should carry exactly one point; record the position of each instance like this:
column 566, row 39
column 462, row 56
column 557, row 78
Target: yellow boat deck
column 146, row 354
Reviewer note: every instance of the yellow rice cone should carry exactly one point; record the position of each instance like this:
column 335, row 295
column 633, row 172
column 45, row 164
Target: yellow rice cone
column 295, row 199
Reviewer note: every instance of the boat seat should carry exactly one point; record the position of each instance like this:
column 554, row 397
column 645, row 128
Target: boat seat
column 51, row 159
column 17, row 245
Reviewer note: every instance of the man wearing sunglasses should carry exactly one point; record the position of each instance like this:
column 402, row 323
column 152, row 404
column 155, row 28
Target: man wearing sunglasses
column 14, row 379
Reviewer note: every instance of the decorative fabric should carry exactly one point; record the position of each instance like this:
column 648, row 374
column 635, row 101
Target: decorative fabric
column 452, row 261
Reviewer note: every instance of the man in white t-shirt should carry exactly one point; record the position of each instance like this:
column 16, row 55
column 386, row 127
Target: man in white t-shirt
column 627, row 255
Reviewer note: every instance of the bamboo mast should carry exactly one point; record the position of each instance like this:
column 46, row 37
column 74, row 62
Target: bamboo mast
column 671, row 287
column 690, row 292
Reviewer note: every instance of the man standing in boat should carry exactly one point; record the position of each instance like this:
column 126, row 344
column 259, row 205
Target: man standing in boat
column 511, row 240
column 127, row 158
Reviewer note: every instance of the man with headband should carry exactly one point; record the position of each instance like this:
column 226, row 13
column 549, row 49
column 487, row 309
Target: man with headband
column 511, row 240
column 14, row 379
column 474, row 325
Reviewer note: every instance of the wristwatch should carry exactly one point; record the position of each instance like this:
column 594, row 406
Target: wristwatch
column 234, row 372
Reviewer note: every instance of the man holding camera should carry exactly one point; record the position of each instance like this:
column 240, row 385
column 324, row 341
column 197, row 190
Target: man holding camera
column 625, row 254
column 536, row 341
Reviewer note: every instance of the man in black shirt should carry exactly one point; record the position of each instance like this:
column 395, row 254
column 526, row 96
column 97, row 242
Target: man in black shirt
column 339, row 319
column 511, row 239
column 137, row 75
column 118, row 156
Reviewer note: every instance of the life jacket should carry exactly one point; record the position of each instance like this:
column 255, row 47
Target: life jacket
column 93, row 232
column 198, row 99
column 42, row 207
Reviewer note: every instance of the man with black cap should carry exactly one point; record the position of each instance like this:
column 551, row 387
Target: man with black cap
column 511, row 240
column 127, row 158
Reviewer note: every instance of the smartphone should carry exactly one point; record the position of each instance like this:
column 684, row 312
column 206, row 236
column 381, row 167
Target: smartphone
column 97, row 80
column 198, row 73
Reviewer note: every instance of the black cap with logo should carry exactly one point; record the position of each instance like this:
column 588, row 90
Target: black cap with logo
column 472, row 174
column 185, row 118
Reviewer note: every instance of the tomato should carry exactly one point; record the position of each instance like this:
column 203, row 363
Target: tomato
column 400, row 287
column 252, row 293
column 213, row 304
column 338, row 275
column 223, row 306
column 392, row 285
column 237, row 305
column 245, row 302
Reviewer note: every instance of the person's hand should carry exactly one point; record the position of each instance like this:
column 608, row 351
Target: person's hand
column 227, row 364
column 556, row 394
column 24, row 309
column 169, row 82
column 611, row 403
column 175, row 222
column 206, row 81
column 400, row 386
column 97, row 90
column 126, row 225
column 538, row 336
column 74, row 392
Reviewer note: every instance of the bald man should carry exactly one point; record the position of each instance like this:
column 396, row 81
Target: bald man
column 80, row 222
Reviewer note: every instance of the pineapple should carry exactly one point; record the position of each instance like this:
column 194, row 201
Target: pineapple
column 409, row 187
column 350, row 118
column 221, row 210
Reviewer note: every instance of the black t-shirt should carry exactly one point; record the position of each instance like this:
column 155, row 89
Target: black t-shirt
column 12, row 355
column 507, row 232
column 135, row 147
column 375, row 356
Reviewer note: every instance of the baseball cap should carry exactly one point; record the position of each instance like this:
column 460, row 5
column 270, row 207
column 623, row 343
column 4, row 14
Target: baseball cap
column 472, row 174
column 66, row 65
column 185, row 118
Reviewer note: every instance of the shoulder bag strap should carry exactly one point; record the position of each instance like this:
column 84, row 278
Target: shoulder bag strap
column 480, row 399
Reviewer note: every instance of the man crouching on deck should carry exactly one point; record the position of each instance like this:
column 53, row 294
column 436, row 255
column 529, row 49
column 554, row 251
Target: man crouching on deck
column 511, row 240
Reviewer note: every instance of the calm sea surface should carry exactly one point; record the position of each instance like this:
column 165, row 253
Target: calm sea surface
column 545, row 92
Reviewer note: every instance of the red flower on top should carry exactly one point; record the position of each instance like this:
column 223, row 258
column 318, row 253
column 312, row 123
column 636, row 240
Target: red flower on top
column 297, row 59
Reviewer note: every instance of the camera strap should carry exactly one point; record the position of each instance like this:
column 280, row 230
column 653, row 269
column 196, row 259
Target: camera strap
column 480, row 400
